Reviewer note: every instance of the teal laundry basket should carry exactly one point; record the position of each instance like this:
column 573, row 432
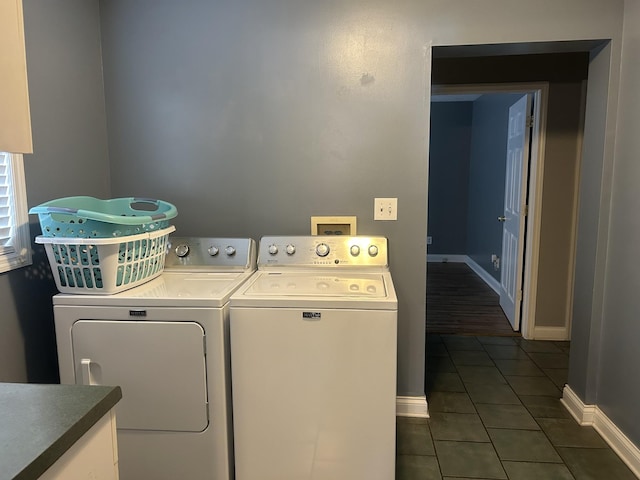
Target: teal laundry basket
column 89, row 217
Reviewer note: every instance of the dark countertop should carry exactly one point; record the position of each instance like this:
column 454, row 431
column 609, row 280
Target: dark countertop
column 38, row 423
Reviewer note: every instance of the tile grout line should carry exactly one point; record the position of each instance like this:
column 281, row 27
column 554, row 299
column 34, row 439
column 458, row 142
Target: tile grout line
column 519, row 400
column 474, row 404
column 534, row 418
column 449, row 348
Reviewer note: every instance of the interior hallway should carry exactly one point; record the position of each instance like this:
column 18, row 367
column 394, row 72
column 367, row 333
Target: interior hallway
column 460, row 302
column 496, row 414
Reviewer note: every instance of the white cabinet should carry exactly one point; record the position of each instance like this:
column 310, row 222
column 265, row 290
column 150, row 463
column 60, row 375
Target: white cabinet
column 94, row 456
column 15, row 121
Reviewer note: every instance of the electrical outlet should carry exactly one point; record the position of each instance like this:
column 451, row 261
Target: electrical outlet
column 429, row 240
column 385, row 209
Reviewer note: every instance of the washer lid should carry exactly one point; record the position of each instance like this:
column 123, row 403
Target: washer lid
column 313, row 289
column 318, row 284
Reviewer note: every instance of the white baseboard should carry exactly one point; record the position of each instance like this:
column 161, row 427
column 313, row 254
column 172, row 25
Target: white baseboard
column 592, row 415
column 584, row 414
column 484, row 275
column 618, row 441
column 550, row 333
column 440, row 258
column 412, row 407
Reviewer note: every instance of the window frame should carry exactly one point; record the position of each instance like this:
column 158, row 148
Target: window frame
column 18, row 253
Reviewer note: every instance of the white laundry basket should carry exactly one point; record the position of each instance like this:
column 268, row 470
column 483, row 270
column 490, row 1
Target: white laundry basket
column 103, row 266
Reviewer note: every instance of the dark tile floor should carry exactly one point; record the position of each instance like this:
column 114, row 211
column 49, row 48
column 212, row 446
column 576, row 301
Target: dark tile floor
column 496, row 414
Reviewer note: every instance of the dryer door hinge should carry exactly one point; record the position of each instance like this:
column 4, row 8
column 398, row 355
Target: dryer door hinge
column 529, row 123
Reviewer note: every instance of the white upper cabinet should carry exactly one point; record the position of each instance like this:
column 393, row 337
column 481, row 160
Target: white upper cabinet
column 15, row 121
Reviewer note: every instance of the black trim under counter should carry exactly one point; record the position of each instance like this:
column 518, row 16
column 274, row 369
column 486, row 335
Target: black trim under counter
column 39, row 423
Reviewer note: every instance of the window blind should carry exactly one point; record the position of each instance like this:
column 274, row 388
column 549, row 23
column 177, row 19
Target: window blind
column 6, row 204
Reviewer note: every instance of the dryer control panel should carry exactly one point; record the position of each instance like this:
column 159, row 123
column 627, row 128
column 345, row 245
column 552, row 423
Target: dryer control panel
column 209, row 253
column 328, row 251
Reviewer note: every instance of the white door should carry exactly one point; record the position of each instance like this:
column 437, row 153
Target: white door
column 515, row 197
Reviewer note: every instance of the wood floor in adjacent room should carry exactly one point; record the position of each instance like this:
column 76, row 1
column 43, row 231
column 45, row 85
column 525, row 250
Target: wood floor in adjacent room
column 460, row 302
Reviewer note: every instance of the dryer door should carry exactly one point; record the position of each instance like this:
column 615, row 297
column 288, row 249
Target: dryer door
column 160, row 367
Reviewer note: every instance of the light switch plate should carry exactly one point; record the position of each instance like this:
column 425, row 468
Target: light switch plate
column 385, row 209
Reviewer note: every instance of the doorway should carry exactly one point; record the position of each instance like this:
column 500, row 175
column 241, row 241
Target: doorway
column 549, row 252
column 479, row 202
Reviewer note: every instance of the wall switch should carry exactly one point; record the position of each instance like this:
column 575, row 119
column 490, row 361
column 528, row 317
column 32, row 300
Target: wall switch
column 385, row 209
column 429, row 240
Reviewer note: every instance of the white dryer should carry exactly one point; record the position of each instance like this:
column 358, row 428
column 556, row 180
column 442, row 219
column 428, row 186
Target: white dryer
column 166, row 343
column 313, row 354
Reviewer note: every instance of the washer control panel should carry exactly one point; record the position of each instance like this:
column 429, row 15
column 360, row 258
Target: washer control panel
column 323, row 251
column 211, row 253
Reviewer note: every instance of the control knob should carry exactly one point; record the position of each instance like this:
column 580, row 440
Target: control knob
column 291, row 249
column 355, row 250
column 230, row 251
column 182, row 250
column 373, row 250
column 273, row 249
column 213, row 250
column 322, row 250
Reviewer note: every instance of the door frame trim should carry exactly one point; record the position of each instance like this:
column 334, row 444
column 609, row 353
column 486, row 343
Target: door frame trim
column 540, row 91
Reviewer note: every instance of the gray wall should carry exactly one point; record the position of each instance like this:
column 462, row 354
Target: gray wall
column 254, row 116
column 618, row 391
column 449, row 148
column 251, row 117
column 305, row 99
column 486, row 178
column 70, row 158
column 595, row 183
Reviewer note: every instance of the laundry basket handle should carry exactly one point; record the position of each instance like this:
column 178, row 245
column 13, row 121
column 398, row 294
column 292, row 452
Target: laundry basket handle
column 153, row 201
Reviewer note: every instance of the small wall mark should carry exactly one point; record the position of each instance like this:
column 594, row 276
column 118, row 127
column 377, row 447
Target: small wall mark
column 367, row 79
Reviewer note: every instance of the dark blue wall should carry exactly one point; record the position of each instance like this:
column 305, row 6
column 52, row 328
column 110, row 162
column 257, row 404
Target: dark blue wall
column 449, row 149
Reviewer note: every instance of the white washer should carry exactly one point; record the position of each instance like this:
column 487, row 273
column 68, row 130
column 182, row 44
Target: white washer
column 166, row 344
column 313, row 355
